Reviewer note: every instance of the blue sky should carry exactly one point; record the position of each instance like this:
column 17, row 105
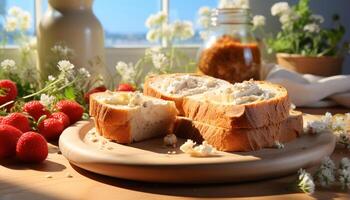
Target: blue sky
column 128, row 16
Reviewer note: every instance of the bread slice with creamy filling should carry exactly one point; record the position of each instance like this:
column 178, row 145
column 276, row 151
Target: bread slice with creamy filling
column 127, row 117
column 175, row 87
column 241, row 139
column 250, row 104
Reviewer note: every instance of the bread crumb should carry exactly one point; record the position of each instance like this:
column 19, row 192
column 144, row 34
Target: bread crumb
column 48, row 176
column 203, row 150
column 170, row 140
column 109, row 148
column 278, row 145
column 68, row 175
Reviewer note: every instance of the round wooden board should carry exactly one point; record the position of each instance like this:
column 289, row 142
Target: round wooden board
column 150, row 161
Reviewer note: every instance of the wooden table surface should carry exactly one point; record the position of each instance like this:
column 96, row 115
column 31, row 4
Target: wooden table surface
column 57, row 179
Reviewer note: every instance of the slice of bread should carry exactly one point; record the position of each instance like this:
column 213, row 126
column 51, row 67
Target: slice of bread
column 127, row 117
column 175, row 87
column 250, row 104
column 241, row 139
column 230, row 109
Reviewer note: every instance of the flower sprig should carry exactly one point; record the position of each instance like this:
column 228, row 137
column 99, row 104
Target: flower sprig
column 159, row 59
column 301, row 32
column 68, row 84
column 328, row 174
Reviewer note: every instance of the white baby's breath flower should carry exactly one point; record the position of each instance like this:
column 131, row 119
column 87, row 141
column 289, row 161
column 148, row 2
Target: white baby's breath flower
column 8, row 66
column 156, row 20
column 280, row 8
column 51, row 78
column 204, row 21
column 153, row 50
column 126, row 71
column 322, row 125
column 325, row 175
column 317, row 18
column 160, row 61
column 24, row 20
column 259, row 21
column 327, row 162
column 312, row 28
column 234, row 4
column 344, row 173
column 204, row 11
column 305, row 182
column 15, row 11
column 47, row 100
column 182, row 30
column 153, row 35
column 10, row 24
column 344, row 163
column 67, row 69
column 84, row 72
column 65, row 65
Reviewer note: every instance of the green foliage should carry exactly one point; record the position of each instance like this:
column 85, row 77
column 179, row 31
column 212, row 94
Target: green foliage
column 295, row 38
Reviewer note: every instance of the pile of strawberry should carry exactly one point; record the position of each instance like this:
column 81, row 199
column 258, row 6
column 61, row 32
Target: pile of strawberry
column 25, row 133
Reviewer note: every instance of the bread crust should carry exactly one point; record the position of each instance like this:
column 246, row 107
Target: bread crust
column 241, row 139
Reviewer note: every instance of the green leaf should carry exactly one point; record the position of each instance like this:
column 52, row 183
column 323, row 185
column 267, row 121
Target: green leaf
column 69, row 93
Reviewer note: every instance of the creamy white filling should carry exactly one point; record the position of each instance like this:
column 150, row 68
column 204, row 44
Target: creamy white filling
column 186, row 85
column 130, row 99
column 247, row 92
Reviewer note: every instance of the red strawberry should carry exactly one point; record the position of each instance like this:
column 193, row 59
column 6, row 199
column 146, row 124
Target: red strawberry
column 36, row 109
column 62, row 117
column 72, row 109
column 51, row 128
column 32, row 147
column 125, row 87
column 9, row 136
column 8, row 92
column 1, row 118
column 95, row 90
column 17, row 120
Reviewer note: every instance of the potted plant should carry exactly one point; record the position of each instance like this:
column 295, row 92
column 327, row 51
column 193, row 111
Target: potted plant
column 302, row 45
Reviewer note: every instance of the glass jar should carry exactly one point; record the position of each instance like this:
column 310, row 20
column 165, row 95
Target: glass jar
column 230, row 50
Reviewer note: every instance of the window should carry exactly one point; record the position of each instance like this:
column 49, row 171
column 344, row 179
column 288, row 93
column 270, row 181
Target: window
column 27, row 5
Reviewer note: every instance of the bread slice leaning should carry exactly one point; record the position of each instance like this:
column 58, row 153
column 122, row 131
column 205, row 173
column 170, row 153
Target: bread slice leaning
column 241, row 139
column 175, row 87
column 127, row 117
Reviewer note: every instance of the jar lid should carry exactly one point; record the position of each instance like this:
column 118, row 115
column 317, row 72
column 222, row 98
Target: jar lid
column 231, row 16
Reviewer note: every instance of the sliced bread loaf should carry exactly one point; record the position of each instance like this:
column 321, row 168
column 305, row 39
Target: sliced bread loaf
column 250, row 104
column 241, row 139
column 175, row 87
column 130, row 116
